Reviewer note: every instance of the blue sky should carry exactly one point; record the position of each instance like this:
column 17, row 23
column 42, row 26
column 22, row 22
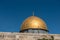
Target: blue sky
column 14, row 12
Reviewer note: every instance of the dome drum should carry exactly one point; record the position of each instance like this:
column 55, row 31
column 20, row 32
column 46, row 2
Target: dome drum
column 33, row 29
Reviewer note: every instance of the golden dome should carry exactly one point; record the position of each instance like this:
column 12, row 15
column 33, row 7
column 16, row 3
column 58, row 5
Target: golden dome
column 33, row 22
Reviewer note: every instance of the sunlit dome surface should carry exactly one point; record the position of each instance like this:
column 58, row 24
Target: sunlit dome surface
column 33, row 22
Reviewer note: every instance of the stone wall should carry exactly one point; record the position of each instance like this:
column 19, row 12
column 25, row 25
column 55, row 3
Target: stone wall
column 28, row 36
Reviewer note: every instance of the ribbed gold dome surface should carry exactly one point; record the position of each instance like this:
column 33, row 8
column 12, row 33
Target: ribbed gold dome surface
column 33, row 22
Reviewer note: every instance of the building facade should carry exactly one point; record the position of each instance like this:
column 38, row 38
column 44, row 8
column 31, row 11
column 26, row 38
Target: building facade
column 33, row 28
column 28, row 36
